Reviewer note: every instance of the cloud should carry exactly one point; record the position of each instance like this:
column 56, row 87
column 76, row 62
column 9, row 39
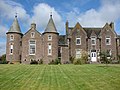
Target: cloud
column 107, row 12
column 2, row 48
column 9, row 8
column 41, row 15
column 3, row 30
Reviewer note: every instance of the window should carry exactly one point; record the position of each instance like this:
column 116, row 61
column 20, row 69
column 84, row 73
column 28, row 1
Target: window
column 11, row 49
column 78, row 41
column 32, row 47
column 78, row 53
column 49, row 37
column 108, row 41
column 93, row 40
column 32, row 34
column 11, row 37
column 49, row 49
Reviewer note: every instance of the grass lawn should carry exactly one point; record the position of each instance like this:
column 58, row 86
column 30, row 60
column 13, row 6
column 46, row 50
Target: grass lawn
column 59, row 77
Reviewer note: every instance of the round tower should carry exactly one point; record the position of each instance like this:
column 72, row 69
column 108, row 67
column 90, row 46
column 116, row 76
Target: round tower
column 14, row 43
column 50, row 39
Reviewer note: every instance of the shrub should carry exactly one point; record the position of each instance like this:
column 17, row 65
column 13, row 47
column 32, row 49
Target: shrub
column 118, row 58
column 77, row 61
column 105, row 58
column 66, row 62
column 33, row 62
column 83, row 59
column 51, row 62
column 41, row 61
column 55, row 62
column 4, row 62
column 72, row 59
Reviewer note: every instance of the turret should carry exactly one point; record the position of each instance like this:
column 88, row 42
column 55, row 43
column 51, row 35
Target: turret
column 50, row 42
column 13, row 45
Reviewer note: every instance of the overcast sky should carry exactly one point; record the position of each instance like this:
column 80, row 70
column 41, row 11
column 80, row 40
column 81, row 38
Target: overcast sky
column 89, row 13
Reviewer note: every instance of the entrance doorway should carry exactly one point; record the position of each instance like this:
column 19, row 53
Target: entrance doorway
column 93, row 56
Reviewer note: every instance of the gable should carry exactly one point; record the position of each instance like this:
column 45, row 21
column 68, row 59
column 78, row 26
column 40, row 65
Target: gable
column 28, row 33
column 78, row 30
column 107, row 30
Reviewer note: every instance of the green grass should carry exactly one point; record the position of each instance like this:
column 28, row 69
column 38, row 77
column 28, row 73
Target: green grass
column 59, row 77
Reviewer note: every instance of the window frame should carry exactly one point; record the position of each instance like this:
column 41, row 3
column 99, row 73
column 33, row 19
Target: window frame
column 30, row 47
column 49, row 39
column 108, row 38
column 32, row 34
column 49, row 48
column 11, row 49
column 78, row 55
column 78, row 38
column 93, row 38
column 11, row 39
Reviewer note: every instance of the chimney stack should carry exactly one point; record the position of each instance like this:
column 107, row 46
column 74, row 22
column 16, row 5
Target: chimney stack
column 33, row 25
column 112, row 25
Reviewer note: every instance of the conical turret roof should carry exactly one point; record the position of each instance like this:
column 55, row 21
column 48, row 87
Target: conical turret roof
column 15, row 26
column 51, row 26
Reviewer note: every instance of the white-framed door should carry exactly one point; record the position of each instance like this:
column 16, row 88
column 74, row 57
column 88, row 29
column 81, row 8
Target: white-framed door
column 93, row 56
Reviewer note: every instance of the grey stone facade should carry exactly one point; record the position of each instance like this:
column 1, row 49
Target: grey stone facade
column 49, row 45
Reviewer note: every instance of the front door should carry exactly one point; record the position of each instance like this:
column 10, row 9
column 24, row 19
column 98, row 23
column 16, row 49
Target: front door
column 93, row 57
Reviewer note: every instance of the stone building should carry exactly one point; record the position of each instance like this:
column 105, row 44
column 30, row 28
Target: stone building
column 49, row 45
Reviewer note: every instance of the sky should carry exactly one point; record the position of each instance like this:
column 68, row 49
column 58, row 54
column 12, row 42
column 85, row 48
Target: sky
column 89, row 13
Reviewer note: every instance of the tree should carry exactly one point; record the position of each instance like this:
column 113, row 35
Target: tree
column 105, row 57
column 3, row 59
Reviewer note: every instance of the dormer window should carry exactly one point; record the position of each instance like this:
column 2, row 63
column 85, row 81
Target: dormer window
column 32, row 34
column 78, row 41
column 108, row 41
column 49, row 37
column 11, row 37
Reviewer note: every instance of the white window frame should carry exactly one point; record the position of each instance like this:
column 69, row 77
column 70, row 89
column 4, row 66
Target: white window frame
column 49, row 48
column 93, row 38
column 30, row 48
column 11, row 39
column 78, row 38
column 32, row 34
column 109, row 38
column 11, row 48
column 78, row 55
column 49, row 39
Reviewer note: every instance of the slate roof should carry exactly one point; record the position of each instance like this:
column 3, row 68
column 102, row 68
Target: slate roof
column 118, row 36
column 90, row 30
column 51, row 26
column 15, row 26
